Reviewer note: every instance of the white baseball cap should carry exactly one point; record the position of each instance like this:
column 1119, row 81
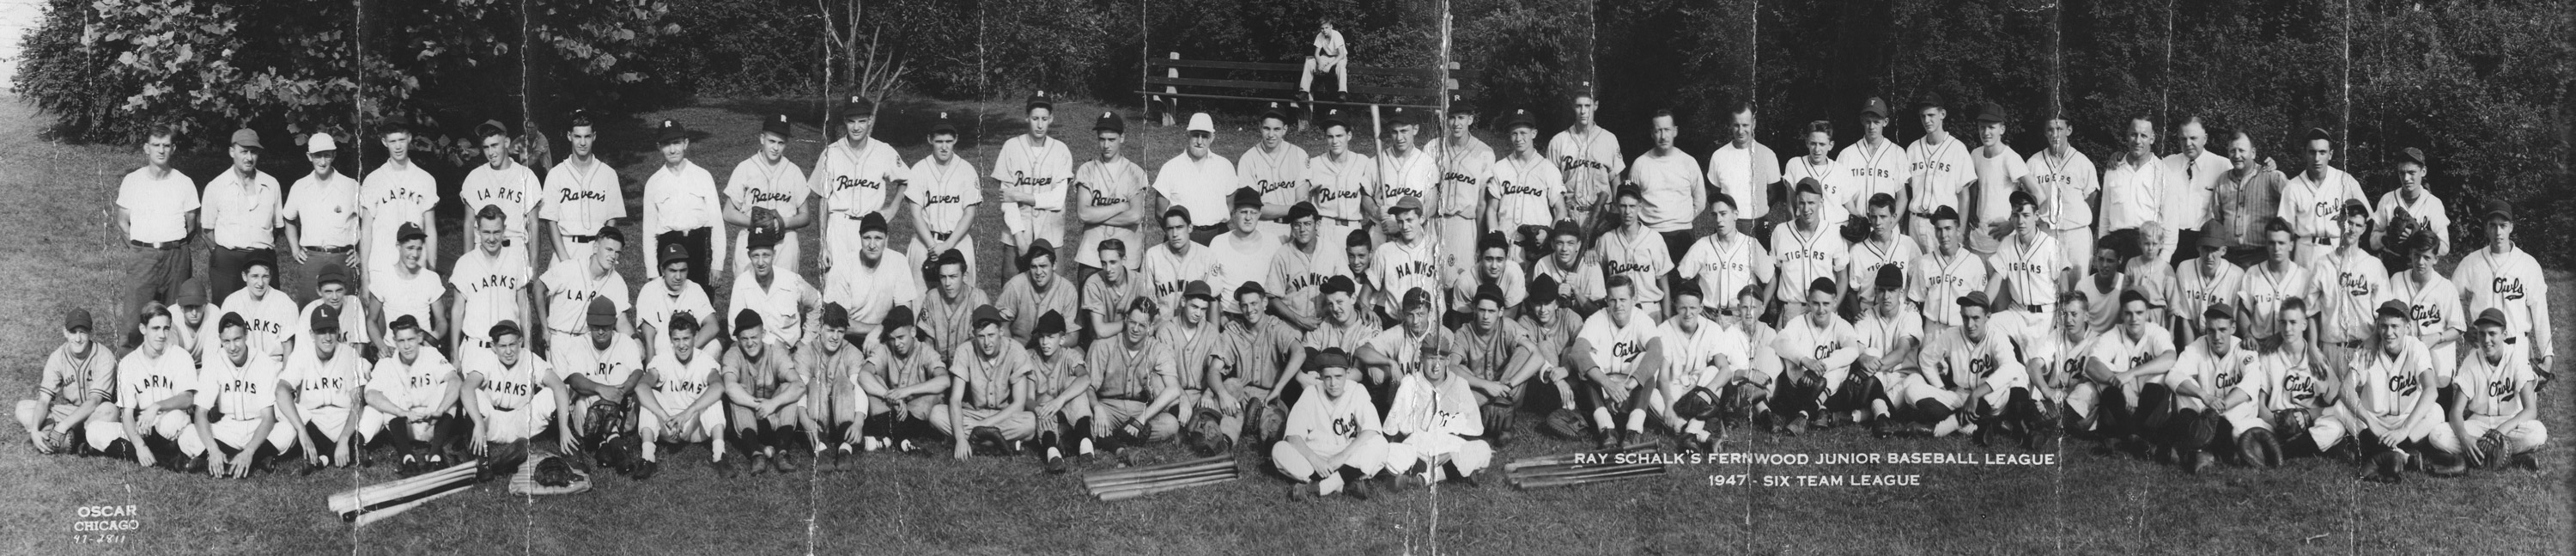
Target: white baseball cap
column 1201, row 122
column 321, row 142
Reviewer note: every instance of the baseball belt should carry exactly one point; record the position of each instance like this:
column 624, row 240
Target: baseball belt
column 330, row 250
column 164, row 246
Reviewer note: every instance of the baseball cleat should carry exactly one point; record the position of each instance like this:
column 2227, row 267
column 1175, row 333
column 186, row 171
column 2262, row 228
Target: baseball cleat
column 759, row 465
column 726, row 469
column 1083, row 448
column 1054, row 461
column 2527, row 461
column 645, row 469
column 780, row 464
column 2386, row 466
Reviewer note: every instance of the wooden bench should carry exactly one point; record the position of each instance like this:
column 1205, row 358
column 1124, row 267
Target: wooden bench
column 1251, row 81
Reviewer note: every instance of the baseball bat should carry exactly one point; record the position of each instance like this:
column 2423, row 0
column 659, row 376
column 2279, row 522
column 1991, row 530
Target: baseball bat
column 1153, row 469
column 1116, row 495
column 417, row 491
column 1560, row 472
column 1561, row 459
column 1134, row 482
column 380, row 515
column 1159, row 473
column 349, row 500
column 1593, row 478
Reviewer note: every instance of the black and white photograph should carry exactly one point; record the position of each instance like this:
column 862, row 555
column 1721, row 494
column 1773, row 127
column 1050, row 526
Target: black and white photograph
column 1416, row 277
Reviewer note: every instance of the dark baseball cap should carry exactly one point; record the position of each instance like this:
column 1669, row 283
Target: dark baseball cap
column 777, row 125
column 191, row 292
column 747, row 319
column 898, row 317
column 2218, row 311
column 1890, row 277
column 1249, row 287
column 1490, row 292
column 1244, row 197
column 1542, row 291
column 1340, row 284
column 1037, row 247
column 1566, row 227
column 1518, row 119
column 1300, row 211
column 2491, row 317
column 1874, row 107
column 1109, row 121
column 325, row 320
column 409, row 231
column 1416, row 297
column 76, row 319
column 2395, row 308
column 490, row 128
column 872, row 222
column 1974, row 298
column 1990, row 112
column 1405, row 203
column 1050, row 324
column 857, row 107
column 330, row 274
column 670, row 131
column 674, row 252
column 1198, row 289
column 1039, row 100
column 986, row 314
column 603, row 312
column 1331, row 357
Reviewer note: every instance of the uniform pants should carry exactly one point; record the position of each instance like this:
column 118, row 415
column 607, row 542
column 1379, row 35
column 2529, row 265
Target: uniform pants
column 507, row 425
column 236, row 432
column 224, row 269
column 153, row 275
column 2521, row 437
column 1457, row 237
column 100, row 430
column 2334, row 423
column 2076, row 247
column 1116, row 414
column 753, row 432
column 1467, row 455
column 699, row 242
column 1016, row 425
column 1368, row 456
column 711, row 423
column 438, row 432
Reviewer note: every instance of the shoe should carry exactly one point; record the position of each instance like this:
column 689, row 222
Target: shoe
column 759, row 465
column 1393, row 482
column 2445, row 465
column 727, row 469
column 1084, row 448
column 2527, row 461
column 1605, row 441
column 409, row 468
column 645, row 469
column 1358, row 488
column 780, row 464
column 1797, row 424
column 1054, row 461
column 2195, row 461
column 2167, row 456
column 1329, row 485
column 1980, row 435
column 1878, row 429
column 1303, row 492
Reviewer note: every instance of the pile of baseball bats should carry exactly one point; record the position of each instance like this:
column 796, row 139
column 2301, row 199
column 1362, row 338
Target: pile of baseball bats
column 1111, row 486
column 376, row 502
column 1576, row 469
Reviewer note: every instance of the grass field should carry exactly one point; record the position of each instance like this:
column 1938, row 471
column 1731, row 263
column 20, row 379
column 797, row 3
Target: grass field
column 60, row 255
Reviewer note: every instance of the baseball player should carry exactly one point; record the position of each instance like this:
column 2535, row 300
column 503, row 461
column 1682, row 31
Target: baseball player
column 1629, row 251
column 876, row 281
column 2071, row 187
column 1244, row 252
column 1036, row 291
column 1876, row 165
column 409, row 289
column 599, row 368
column 1746, row 170
column 2301, row 384
column 1807, row 250
column 269, row 313
column 2502, row 276
column 1819, row 164
column 411, row 401
column 1275, row 171
column 1497, row 356
column 1495, row 266
column 2054, row 360
column 2313, row 200
column 2350, row 285
column 332, row 289
column 582, row 196
column 2419, row 204
column 1343, row 327
column 905, row 379
column 1575, row 270
column 236, row 407
column 1525, row 196
column 321, row 212
column 1259, row 354
column 2214, row 392
column 767, row 180
column 2432, row 301
column 191, row 330
column 501, row 183
column 397, row 193
column 79, row 377
column 155, row 384
column 856, row 176
column 1406, row 171
column 1671, row 189
column 1105, row 293
column 1763, row 373
column 1882, row 248
column 946, row 317
column 1971, row 383
column 1456, row 210
column 1435, row 428
column 1061, row 386
column 512, row 397
column 1705, row 357
column 1299, row 269
column 1333, row 440
column 2205, row 282
column 834, row 365
column 241, row 216
column 687, row 385
column 2495, row 420
column 1339, row 182
column 1945, row 273
column 988, row 401
column 942, row 192
column 2029, row 262
column 2132, row 189
column 655, row 307
column 1552, row 328
column 2119, row 366
column 1109, row 197
column 1397, row 352
column 2195, row 173
column 681, row 206
column 2246, row 196
column 489, row 285
column 325, row 391
column 2277, row 279
column 1891, row 341
column 1200, row 354
column 569, row 289
column 157, row 209
column 1816, row 350
column 1613, row 349
column 2389, row 403
column 1362, row 255
column 1409, row 261
column 781, row 297
column 763, row 391
column 1131, row 374
column 1178, row 260
column 1588, row 156
column 1033, row 175
column 1941, row 172
column 1197, row 180
column 1724, row 260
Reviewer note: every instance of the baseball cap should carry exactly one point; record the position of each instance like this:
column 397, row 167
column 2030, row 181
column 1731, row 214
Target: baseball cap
column 1182, row 212
column 1333, row 118
column 1339, row 284
column 1198, row 289
column 1037, row 247
column 1249, row 287
column 1928, row 100
column 1109, row 121
column 897, row 318
column 1890, row 277
column 1989, row 112
column 2499, row 210
column 986, row 314
column 1416, row 297
column 1492, row 240
column 872, row 222
column 1974, row 298
column 506, row 327
column 1300, row 211
column 857, row 107
column 2319, row 134
column 490, row 128
column 1874, row 107
column 76, row 319
column 2019, row 198
column 2149, row 296
column 409, row 231
column 762, row 237
column 834, row 315
column 1823, row 285
column 1245, row 197
column 603, row 312
column 1274, row 114
column 746, row 319
column 942, row 126
column 1518, row 119
column 2355, row 207
column 2414, row 155
column 1460, row 106
column 244, row 137
column 2491, row 317
column 1331, row 357
column 1039, row 100
column 2213, row 241
column 231, row 319
column 673, row 252
column 320, row 143
column 1945, row 213
column 1405, row 203
column 326, row 319
column 404, row 322
column 1809, row 186
column 1566, row 227
column 1201, row 122
column 1050, row 324
column 1630, row 190
column 2218, row 311
column 1144, row 305
column 777, row 125
column 2395, row 308
column 191, row 292
column 1542, row 291
column 671, row 130
column 329, row 274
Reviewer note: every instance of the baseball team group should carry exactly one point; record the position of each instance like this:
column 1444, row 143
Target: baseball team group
column 1360, row 322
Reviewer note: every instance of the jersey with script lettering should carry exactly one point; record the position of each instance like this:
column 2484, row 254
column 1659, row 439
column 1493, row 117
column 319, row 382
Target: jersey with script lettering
column 2494, row 389
column 508, row 387
column 1046, row 171
column 1590, row 164
column 2434, row 308
column 1938, row 173
column 417, row 385
column 1413, row 174
column 943, row 193
column 1641, row 257
column 756, row 183
column 613, row 366
column 2119, row 352
column 1400, row 267
column 1168, row 272
column 1336, row 187
column 241, row 393
column 853, row 176
column 1696, row 357
column 271, row 318
column 1618, row 347
column 2061, row 358
column 2392, row 385
column 1835, row 343
column 515, row 190
column 655, row 305
column 1524, row 191
column 2349, row 290
column 2035, row 269
column 1463, row 171
column 2298, row 382
column 2312, row 204
column 1121, row 185
column 1837, row 186
column 569, row 288
column 581, row 197
column 1279, row 174
column 2512, row 282
column 1329, row 424
column 1936, row 283
column 1725, row 265
column 1879, row 334
column 1803, row 256
column 1951, row 362
column 490, row 286
column 2216, row 375
column 1874, row 169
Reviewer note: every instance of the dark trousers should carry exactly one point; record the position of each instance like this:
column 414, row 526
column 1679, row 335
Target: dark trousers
column 445, row 432
column 699, row 244
column 2186, row 246
column 1678, row 242
column 154, row 275
column 224, row 269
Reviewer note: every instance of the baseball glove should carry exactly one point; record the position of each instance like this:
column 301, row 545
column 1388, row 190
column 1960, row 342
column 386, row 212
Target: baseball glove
column 1856, row 229
column 2491, row 445
column 766, row 218
column 1564, row 424
column 554, row 472
column 1739, row 403
column 1207, row 437
column 1700, row 403
column 605, row 418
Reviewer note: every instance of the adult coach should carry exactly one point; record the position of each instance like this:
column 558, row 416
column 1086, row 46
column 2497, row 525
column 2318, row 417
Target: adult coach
column 767, row 180
column 582, row 196
column 156, row 208
column 1033, row 173
column 76, row 394
column 1669, row 188
column 1196, row 180
column 780, row 296
column 2194, row 173
column 856, row 176
column 681, row 207
column 2132, row 190
column 321, row 213
column 241, row 216
column 1746, row 170
column 874, row 282
column 2246, row 196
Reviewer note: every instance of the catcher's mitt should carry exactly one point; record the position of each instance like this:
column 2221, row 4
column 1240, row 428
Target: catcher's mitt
column 2491, row 445
column 2291, row 420
column 766, row 218
column 1269, row 421
column 605, row 418
column 1856, row 229
column 554, row 472
column 1739, row 403
column 1700, row 403
column 1564, row 424
column 1207, row 437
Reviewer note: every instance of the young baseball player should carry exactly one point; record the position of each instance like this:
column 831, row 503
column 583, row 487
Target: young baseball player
column 1808, row 250
column 1999, row 173
column 156, row 211
column 1762, row 377
column 1259, row 351
column 1819, row 164
column 1033, row 173
column 1577, row 272
column 411, row 401
column 655, row 307
column 907, row 379
column 2054, row 360
column 240, row 216
column 1130, row 374
column 2350, row 285
column 2313, row 200
column 192, row 330
column 1705, row 357
column 988, row 400
column 1816, row 350
column 1199, row 355
column 489, row 284
column 503, row 183
column 1339, row 182
column 1172, row 264
column 1746, row 170
column 2389, row 403
column 409, row 289
column 834, row 365
column 1196, row 180
column 1397, row 352
column 155, row 384
column 397, row 193
column 946, row 318
column 1525, row 196
column 1110, row 198
column 2495, row 419
column 332, row 289
column 780, row 296
column 1453, row 214
column 2301, row 385
column 1343, row 326
column 1244, row 252
column 1061, row 387
column 2502, row 276
column 1945, row 273
column 1299, row 268
column 687, row 385
column 1106, row 293
column 1552, row 328
column 325, row 392
column 1590, row 160
column 2029, row 262
column 1884, row 246
column 1409, row 260
column 512, row 397
column 1942, row 170
column 1275, row 170
column 269, row 314
column 874, row 282
column 568, row 290
column 1435, row 428
column 1891, row 337
column 767, row 180
column 1615, row 346
column 2204, row 282
column 2277, row 279
column 2071, row 185
column 681, row 206
column 856, row 176
column 2418, row 202
column 1407, row 171
column 1876, row 165
column 2120, row 365
column 1972, row 383
column 598, row 369
column 1724, row 260
column 1362, row 255
column 942, row 192
column 1495, row 266
column 1332, row 440
column 763, row 391
column 236, row 423
column 1631, row 252
column 1496, row 356
column 2214, row 390
column 582, row 196
column 79, row 377
column 2432, row 301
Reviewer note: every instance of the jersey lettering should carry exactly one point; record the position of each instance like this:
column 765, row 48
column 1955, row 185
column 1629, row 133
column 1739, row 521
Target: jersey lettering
column 570, row 195
column 2509, row 288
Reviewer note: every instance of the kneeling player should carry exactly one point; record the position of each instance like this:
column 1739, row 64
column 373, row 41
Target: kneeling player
column 1333, row 439
column 988, row 396
column 2495, row 416
column 681, row 409
column 412, row 396
column 2213, row 390
column 761, row 387
column 324, row 386
column 1435, row 429
column 1616, row 346
column 905, row 379
column 1972, row 383
column 237, row 406
column 513, row 397
column 834, row 402
column 599, row 378
column 74, row 396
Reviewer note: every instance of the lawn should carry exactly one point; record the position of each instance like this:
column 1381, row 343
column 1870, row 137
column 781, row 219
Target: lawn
column 62, row 255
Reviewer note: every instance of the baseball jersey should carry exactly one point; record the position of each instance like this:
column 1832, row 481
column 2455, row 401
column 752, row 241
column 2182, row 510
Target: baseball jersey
column 2195, row 174
column 674, row 380
column 1724, row 265
column 1836, row 343
column 271, row 318
column 2312, row 204
column 514, row 189
column 1486, row 354
column 1193, row 349
column 942, row 193
column 1298, row 276
column 898, row 370
column 1617, row 346
column 2434, row 307
column 1199, row 184
column 763, row 375
column 1261, row 348
column 1423, row 406
column 2494, row 389
column 779, row 187
column 1410, row 174
column 489, row 286
column 1585, row 282
column 240, row 393
column 1122, row 371
column 569, row 288
column 2132, row 194
column 582, row 196
column 1935, row 283
column 69, row 378
column 2243, row 200
column 1805, row 256
column 1837, row 203
column 403, row 294
column 1168, row 272
column 1279, row 174
column 949, row 322
column 1046, row 169
column 1112, row 184
column 319, row 383
column 242, row 212
column 2195, row 290
column 157, row 208
column 417, row 385
column 1399, row 267
column 395, row 195
column 2119, row 352
column 2061, row 358
column 1523, row 191
column 2512, row 282
column 868, row 292
column 1049, row 376
column 1548, row 341
column 2263, row 292
column 1641, row 257
column 2425, row 208
column 1405, row 346
column 2217, row 375
column 1692, row 358
column 989, row 380
column 1590, row 163
column 1239, row 258
column 1997, row 176
column 1348, row 336
column 1879, row 334
column 2035, row 269
column 325, row 211
column 1463, row 171
column 853, row 176
column 781, row 304
column 2067, row 179
column 1669, row 181
column 2392, row 385
column 1951, row 362
column 612, row 366
column 1110, row 300
column 1745, row 174
column 1329, row 424
column 656, row 304
column 2297, row 379
column 2349, row 289
column 1025, row 303
column 1874, row 168
column 143, row 379
column 1868, row 256
column 1938, row 173
column 507, row 387
column 683, row 200
column 1462, row 287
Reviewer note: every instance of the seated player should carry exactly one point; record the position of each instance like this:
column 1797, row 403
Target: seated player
column 654, row 307
column 834, row 402
column 1576, row 272
column 2301, row 387
column 1616, row 346
column 1435, row 429
column 1753, row 388
column 1704, row 358
column 1199, row 354
column 1552, row 327
column 1130, row 377
column 411, row 398
column 1972, row 383
column 236, row 406
column 2494, row 419
column 1891, row 340
column 514, row 397
column 155, row 384
column 1035, row 291
column 989, row 394
column 2117, row 370
column 325, row 388
column 1062, row 388
column 681, row 410
column 943, row 317
column 1334, row 439
column 1497, row 359
column 2054, row 359
column 191, row 328
column 2389, row 405
column 762, row 389
column 1816, row 349
column 906, row 378
column 1345, row 325
column 2212, row 394
column 599, row 373
column 1397, row 352
column 1105, row 294
column 75, row 397
column 1259, row 347
column 331, row 288
column 1495, row 266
